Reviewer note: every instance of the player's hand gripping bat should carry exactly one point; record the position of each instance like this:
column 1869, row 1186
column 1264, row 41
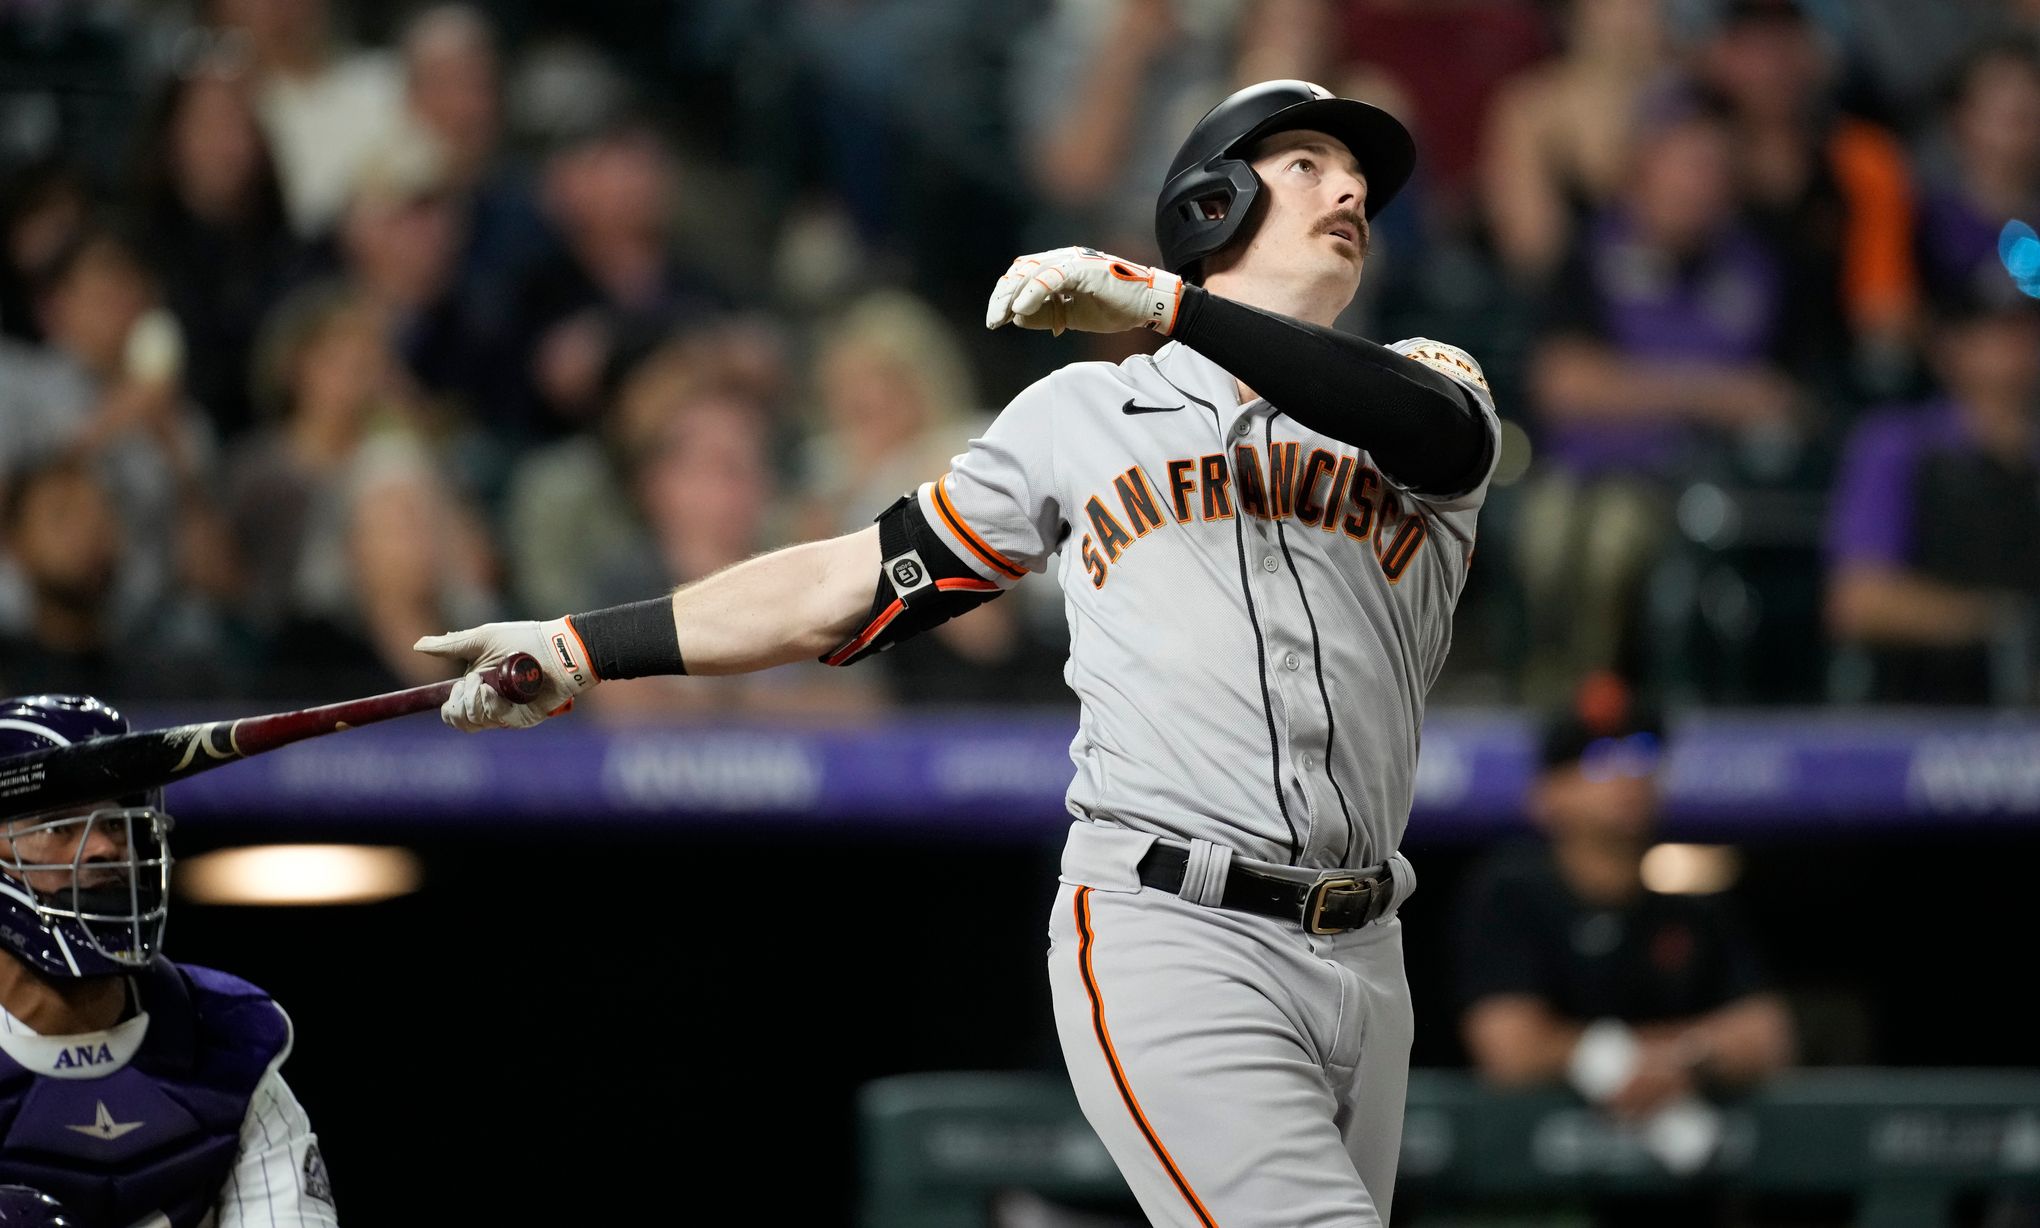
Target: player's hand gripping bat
column 132, row 762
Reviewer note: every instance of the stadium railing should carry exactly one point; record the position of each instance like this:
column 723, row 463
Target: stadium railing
column 936, row 1149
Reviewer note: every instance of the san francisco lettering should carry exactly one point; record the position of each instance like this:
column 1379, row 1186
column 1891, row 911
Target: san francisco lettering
column 1320, row 490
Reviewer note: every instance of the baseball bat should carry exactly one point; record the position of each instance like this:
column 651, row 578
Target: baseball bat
column 116, row 766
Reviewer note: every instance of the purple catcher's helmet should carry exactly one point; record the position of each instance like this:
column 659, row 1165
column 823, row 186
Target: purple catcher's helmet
column 22, row 1207
column 85, row 890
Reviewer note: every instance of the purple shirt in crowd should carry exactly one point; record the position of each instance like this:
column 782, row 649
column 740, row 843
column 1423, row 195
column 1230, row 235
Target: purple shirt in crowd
column 1917, row 463
column 1722, row 305
column 1917, row 492
column 1958, row 246
column 1870, row 514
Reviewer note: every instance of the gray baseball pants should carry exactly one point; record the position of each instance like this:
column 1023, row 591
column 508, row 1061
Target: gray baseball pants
column 1241, row 1071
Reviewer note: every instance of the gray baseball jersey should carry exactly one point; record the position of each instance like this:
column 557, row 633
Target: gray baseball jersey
column 1256, row 611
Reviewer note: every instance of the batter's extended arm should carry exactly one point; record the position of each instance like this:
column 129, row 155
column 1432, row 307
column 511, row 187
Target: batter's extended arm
column 790, row 605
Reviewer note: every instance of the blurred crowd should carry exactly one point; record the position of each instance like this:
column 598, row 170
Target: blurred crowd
column 325, row 325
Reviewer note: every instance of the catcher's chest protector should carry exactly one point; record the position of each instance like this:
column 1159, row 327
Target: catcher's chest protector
column 158, row 1133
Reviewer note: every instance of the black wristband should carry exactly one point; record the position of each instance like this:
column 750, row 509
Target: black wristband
column 631, row 641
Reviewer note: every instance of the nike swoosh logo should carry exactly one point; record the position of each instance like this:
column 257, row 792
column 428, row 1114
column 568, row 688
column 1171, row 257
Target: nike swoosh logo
column 1131, row 408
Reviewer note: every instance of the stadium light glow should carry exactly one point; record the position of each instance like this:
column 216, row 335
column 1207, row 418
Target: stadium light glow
column 1691, row 869
column 299, row 874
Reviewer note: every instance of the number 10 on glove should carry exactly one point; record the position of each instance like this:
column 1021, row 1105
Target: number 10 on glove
column 1084, row 289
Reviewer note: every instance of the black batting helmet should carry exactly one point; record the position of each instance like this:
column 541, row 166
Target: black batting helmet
column 1211, row 167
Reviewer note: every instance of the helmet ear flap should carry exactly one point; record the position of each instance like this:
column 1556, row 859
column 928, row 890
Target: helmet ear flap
column 1203, row 209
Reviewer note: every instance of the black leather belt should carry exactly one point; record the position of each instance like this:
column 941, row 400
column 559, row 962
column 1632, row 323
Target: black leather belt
column 1333, row 904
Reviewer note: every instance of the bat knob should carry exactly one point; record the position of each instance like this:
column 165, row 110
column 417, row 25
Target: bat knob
column 516, row 678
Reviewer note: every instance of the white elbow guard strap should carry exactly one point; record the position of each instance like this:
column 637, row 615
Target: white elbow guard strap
column 921, row 584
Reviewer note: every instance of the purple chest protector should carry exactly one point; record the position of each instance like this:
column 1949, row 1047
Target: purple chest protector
column 161, row 1134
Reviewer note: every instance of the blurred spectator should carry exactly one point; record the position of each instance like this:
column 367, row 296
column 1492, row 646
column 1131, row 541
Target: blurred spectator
column 1663, row 332
column 453, row 78
column 1573, row 968
column 400, row 240
column 1449, row 58
column 897, row 402
column 59, row 525
column 1289, row 39
column 570, row 514
column 355, row 545
column 1831, row 194
column 1558, row 138
column 610, row 194
column 1103, row 92
column 67, row 80
column 1934, row 529
column 1901, row 52
column 211, row 213
column 705, row 493
column 326, row 109
column 109, row 385
column 44, row 207
column 875, row 132
column 453, row 87
column 1993, row 123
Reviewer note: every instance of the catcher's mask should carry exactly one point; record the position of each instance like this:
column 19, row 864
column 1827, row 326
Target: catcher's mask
column 85, row 890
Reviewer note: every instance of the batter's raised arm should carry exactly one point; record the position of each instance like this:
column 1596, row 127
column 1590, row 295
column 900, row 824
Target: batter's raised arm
column 1425, row 429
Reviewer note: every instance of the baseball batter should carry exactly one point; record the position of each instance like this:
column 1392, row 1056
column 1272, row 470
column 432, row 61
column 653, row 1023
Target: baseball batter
column 1261, row 531
column 134, row 1093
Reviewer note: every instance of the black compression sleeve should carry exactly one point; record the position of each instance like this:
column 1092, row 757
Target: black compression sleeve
column 1421, row 426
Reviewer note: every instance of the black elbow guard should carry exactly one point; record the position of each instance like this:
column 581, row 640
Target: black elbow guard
column 921, row 584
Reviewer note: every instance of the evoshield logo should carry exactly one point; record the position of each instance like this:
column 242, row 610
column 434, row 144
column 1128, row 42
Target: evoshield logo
column 105, row 1127
column 907, row 573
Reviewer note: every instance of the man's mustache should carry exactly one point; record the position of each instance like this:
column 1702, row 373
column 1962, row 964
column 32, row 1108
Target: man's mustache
column 1351, row 218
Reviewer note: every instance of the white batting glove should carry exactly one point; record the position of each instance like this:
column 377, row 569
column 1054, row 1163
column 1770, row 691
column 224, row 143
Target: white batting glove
column 1077, row 287
column 474, row 705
